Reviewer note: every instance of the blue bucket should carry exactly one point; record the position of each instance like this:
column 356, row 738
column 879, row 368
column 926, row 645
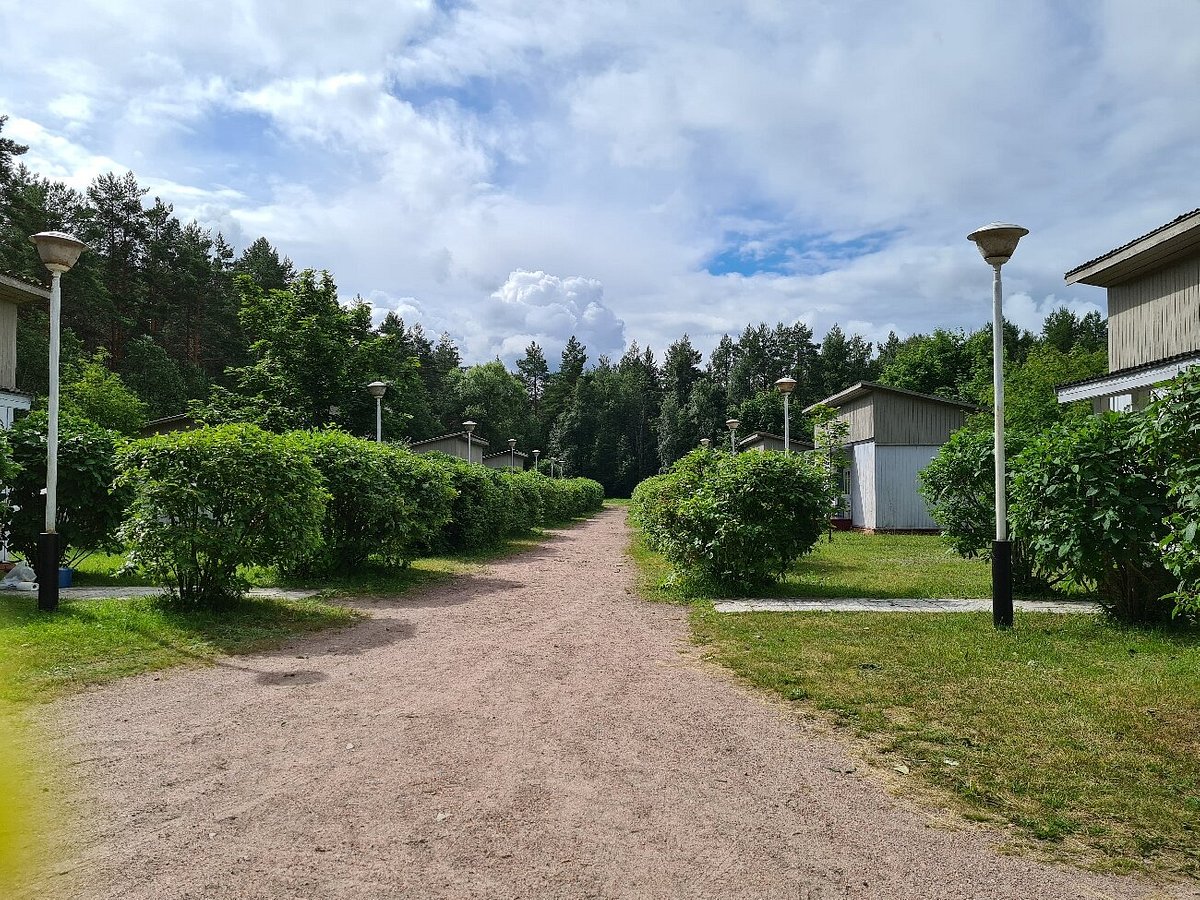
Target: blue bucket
column 64, row 577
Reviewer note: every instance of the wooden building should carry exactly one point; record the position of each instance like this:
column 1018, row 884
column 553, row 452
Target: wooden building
column 1153, row 287
column 761, row 441
column 505, row 458
column 453, row 445
column 14, row 292
column 892, row 435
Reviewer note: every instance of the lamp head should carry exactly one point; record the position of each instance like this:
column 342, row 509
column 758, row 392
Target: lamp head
column 732, row 424
column 58, row 250
column 997, row 242
column 704, row 442
column 512, row 443
column 377, row 389
column 469, row 425
column 536, row 454
column 785, row 385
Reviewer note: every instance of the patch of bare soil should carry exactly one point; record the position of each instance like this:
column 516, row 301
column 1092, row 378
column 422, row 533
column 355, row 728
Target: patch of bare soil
column 533, row 730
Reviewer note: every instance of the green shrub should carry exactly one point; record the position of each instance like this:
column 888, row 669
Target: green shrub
column 1091, row 506
column 89, row 507
column 735, row 521
column 564, row 499
column 384, row 501
column 960, row 486
column 479, row 517
column 208, row 501
column 525, row 501
column 1170, row 441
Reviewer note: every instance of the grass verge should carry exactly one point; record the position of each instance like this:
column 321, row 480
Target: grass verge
column 1083, row 734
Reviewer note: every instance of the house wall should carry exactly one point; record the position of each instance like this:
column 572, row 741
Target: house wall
column 1155, row 316
column 454, row 446
column 912, row 421
column 862, row 485
column 858, row 414
column 8, row 345
column 898, row 501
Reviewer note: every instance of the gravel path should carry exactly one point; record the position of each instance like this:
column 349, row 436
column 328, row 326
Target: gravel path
column 529, row 731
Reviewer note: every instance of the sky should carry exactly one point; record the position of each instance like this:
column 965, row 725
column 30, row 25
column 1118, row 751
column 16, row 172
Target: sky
column 519, row 170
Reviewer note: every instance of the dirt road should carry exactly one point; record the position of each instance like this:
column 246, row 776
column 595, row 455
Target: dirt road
column 533, row 730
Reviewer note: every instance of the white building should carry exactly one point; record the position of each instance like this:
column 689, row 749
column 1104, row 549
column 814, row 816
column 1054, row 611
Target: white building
column 13, row 293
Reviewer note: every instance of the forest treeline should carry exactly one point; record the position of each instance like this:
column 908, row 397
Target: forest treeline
column 163, row 317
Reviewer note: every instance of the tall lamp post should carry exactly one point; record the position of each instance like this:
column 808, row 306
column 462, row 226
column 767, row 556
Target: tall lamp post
column 997, row 243
column 377, row 389
column 59, row 252
column 512, row 454
column 470, row 426
column 536, row 454
column 785, row 386
column 732, row 425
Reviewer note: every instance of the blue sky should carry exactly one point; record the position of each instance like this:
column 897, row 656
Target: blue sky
column 522, row 170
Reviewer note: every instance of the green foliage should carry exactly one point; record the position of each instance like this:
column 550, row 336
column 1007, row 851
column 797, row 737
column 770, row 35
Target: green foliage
column 89, row 508
column 1170, row 437
column 1091, row 507
column 737, row 521
column 384, row 501
column 479, row 516
column 208, row 501
column 960, row 486
column 92, row 392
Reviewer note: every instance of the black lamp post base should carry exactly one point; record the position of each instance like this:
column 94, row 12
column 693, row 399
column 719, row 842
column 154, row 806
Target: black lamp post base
column 1002, row 597
column 47, row 571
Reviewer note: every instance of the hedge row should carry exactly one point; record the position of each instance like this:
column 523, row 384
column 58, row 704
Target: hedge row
column 734, row 521
column 195, row 506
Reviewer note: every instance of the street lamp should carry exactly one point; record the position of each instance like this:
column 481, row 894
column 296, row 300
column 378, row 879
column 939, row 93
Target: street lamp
column 732, row 425
column 704, row 442
column 59, row 252
column 470, row 426
column 512, row 454
column 785, row 386
column 997, row 243
column 536, row 454
column 377, row 389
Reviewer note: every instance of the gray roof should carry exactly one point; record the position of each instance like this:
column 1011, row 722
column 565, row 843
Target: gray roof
column 18, row 290
column 764, row 435
column 1166, row 243
column 862, row 388
column 475, row 439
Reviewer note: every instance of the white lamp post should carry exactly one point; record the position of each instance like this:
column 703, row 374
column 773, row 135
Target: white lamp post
column 470, row 426
column 536, row 454
column 377, row 389
column 59, row 252
column 997, row 243
column 512, row 454
column 732, row 425
column 785, row 386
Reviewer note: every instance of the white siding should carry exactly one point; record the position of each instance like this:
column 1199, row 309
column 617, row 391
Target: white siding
column 898, row 502
column 862, row 485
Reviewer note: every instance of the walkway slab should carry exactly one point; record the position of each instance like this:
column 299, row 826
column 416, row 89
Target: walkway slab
column 915, row 604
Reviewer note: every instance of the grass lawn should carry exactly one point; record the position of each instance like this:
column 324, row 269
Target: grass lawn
column 1083, row 734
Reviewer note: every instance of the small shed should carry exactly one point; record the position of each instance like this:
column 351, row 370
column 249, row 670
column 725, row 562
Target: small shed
column 504, row 459
column 453, row 445
column 761, row 441
column 893, row 434
column 167, row 424
column 14, row 292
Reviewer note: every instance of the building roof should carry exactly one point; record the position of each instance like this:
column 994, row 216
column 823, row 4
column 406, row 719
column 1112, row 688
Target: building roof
column 506, row 453
column 1177, row 239
column 1191, row 356
column 863, row 388
column 475, row 439
column 18, row 290
column 756, row 436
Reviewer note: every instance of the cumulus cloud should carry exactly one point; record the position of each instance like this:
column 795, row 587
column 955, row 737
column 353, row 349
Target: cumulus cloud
column 536, row 306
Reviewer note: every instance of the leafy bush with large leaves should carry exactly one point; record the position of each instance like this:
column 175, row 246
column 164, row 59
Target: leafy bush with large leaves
column 384, row 501
column 960, row 486
column 1170, row 437
column 89, row 507
column 1091, row 505
column 737, row 521
column 208, row 501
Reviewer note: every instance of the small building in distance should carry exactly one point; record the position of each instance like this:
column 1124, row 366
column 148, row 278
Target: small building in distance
column 504, row 459
column 453, row 445
column 892, row 435
column 762, row 441
column 14, row 292
column 1153, row 287
column 167, row 424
